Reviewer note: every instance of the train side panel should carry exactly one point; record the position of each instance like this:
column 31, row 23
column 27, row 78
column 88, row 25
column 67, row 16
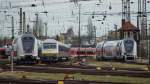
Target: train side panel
column 109, row 50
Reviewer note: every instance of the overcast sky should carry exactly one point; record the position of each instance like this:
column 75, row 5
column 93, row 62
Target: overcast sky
column 62, row 14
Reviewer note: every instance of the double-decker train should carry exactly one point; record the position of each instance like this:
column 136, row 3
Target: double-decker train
column 125, row 49
column 53, row 51
column 25, row 48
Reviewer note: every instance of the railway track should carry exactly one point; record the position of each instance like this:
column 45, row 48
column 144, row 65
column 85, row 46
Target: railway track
column 40, row 69
column 10, row 80
column 85, row 66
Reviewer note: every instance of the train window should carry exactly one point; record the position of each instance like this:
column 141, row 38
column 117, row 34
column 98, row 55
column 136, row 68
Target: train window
column 81, row 52
column 72, row 51
column 63, row 48
column 90, row 52
column 49, row 45
column 46, row 46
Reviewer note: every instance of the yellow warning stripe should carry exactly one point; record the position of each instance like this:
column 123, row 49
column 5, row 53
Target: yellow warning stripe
column 60, row 82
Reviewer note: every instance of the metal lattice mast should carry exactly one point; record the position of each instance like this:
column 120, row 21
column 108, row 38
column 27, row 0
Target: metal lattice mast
column 142, row 18
column 20, row 26
column 142, row 22
column 125, row 17
column 126, row 10
column 24, row 22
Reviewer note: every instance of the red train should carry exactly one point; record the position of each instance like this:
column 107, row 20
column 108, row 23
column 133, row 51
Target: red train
column 2, row 52
column 82, row 52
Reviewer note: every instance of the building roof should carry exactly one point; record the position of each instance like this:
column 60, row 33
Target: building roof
column 128, row 26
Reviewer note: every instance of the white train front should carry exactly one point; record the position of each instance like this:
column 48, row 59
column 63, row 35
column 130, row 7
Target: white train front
column 125, row 49
column 52, row 51
column 26, row 48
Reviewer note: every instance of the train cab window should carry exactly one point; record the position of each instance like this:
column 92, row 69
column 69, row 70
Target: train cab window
column 28, row 44
column 128, row 45
column 28, row 41
column 46, row 46
column 49, row 46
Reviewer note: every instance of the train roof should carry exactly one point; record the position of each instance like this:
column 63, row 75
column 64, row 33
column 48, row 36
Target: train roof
column 112, row 43
column 81, row 48
column 23, row 35
column 27, row 34
column 49, row 41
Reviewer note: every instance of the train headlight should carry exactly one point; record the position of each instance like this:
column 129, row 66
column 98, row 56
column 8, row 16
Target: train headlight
column 98, row 68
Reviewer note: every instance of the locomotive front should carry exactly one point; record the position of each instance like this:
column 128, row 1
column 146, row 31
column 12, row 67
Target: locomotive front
column 130, row 49
column 26, row 47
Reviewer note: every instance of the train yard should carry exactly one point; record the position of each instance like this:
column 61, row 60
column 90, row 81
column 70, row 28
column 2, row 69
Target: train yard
column 46, row 50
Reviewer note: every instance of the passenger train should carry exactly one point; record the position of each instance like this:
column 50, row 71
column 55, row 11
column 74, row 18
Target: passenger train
column 25, row 48
column 125, row 49
column 53, row 51
column 82, row 52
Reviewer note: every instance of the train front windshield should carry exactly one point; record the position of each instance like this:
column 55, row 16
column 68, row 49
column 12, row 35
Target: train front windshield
column 49, row 46
column 28, row 44
column 129, row 45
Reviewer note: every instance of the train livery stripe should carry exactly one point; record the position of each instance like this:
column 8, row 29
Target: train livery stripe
column 60, row 82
